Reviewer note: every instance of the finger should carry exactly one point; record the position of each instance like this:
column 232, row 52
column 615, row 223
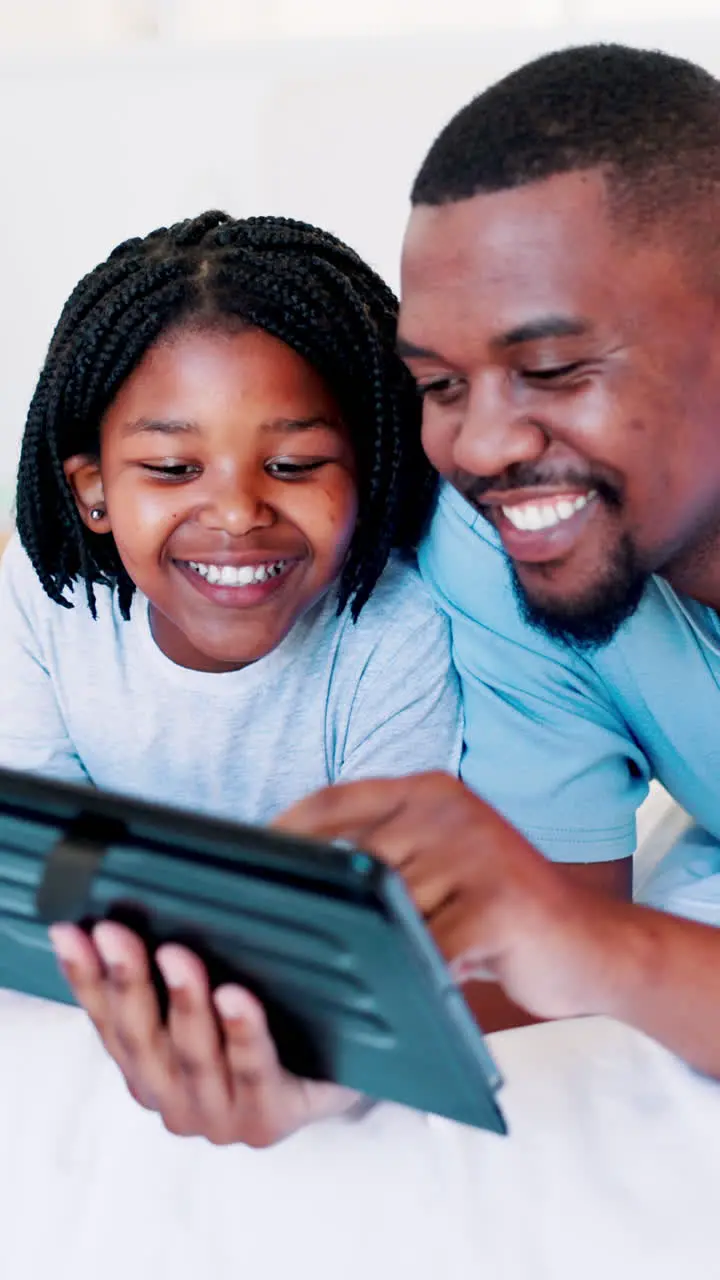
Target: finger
column 249, row 1048
column 80, row 963
column 135, row 1033
column 394, row 818
column 269, row 1103
column 347, row 807
column 195, row 1039
column 402, row 821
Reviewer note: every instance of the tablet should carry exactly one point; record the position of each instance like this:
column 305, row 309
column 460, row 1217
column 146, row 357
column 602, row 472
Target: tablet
column 327, row 937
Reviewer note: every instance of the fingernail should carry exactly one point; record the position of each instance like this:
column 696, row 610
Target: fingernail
column 112, row 952
column 175, row 970
column 173, row 967
column 64, row 943
column 67, row 952
column 233, row 1002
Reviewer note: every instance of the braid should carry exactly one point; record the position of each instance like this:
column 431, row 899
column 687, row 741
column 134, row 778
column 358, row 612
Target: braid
column 301, row 285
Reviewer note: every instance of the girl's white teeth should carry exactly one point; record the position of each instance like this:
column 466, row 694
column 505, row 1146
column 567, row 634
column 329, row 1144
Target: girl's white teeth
column 230, row 575
column 542, row 515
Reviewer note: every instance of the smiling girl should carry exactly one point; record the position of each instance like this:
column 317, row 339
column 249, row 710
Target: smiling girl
column 210, row 602
column 203, row 606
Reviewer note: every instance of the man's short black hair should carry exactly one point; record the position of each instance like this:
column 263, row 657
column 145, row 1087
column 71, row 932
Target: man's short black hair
column 649, row 120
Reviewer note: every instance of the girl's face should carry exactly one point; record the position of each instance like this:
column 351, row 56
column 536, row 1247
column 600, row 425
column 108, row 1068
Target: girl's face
column 228, row 479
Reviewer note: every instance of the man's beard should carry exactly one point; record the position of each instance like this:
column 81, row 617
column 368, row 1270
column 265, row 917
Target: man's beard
column 592, row 619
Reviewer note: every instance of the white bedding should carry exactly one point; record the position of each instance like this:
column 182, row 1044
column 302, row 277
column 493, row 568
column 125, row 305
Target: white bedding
column 612, row 1171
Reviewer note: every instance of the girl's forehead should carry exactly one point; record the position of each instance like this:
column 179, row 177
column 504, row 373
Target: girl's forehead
column 195, row 380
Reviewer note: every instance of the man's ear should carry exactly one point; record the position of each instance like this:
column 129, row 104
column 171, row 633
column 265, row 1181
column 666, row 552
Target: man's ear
column 82, row 473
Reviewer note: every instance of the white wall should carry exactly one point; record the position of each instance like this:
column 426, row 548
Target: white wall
column 145, row 124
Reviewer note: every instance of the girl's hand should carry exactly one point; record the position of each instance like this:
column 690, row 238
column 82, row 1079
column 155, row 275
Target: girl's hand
column 211, row 1069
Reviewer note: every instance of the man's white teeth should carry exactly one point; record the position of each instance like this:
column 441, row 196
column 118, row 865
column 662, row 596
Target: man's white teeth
column 532, row 516
column 230, row 575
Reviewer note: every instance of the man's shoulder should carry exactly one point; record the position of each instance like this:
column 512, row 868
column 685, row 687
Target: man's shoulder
column 464, row 566
column 462, row 560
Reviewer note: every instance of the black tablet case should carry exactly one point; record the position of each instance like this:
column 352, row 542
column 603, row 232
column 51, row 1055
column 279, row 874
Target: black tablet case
column 327, row 937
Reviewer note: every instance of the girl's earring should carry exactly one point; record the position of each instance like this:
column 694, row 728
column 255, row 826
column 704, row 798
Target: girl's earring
column 97, row 513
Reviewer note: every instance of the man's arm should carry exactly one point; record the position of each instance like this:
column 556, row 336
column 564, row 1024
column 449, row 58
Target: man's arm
column 498, row 910
column 492, row 1008
column 666, row 983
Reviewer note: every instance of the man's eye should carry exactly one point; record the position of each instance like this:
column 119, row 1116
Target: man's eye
column 554, row 372
column 441, row 390
column 171, row 470
column 288, row 469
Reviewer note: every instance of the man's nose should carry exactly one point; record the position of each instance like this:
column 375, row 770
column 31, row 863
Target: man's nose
column 495, row 434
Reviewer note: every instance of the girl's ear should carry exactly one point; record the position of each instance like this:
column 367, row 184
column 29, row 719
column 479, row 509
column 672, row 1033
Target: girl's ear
column 82, row 473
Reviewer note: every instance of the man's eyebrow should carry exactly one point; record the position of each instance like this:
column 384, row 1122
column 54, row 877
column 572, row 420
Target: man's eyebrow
column 544, row 327
column 410, row 351
column 162, row 426
column 552, row 326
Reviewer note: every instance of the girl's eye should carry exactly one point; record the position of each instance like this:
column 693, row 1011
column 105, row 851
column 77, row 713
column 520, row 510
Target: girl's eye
column 441, row 390
column 172, row 470
column 289, row 469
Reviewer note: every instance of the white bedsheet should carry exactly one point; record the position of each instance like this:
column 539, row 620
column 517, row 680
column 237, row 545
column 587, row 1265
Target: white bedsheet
column 612, row 1171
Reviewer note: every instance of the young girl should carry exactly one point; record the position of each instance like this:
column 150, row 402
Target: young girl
column 203, row 607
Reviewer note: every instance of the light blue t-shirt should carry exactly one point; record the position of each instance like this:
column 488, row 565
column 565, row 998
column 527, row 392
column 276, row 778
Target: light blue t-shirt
column 96, row 701
column 564, row 743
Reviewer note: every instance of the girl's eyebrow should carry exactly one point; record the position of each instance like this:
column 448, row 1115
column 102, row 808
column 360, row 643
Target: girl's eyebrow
column 164, row 426
column 300, row 424
column 178, row 426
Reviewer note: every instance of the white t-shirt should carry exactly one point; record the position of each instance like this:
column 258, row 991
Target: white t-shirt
column 98, row 702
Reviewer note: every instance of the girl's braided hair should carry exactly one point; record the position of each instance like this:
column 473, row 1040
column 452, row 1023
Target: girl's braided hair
column 297, row 283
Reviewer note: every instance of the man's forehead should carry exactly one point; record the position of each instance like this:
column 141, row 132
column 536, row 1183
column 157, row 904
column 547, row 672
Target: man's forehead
column 492, row 232
column 541, row 257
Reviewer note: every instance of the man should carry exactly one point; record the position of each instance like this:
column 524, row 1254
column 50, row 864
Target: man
column 560, row 313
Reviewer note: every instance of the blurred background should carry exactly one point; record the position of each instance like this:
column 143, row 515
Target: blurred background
column 117, row 116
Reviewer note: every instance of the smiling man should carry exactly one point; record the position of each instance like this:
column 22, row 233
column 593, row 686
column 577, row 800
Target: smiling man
column 560, row 313
column 561, row 316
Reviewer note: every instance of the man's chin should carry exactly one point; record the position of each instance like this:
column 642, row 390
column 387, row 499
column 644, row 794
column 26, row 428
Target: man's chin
column 587, row 619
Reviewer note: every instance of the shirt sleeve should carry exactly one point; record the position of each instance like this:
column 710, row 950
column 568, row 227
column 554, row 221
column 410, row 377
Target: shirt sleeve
column 33, row 735
column 544, row 742
column 406, row 713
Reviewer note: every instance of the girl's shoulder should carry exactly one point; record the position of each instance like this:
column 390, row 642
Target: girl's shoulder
column 400, row 614
column 400, row 597
column 22, row 590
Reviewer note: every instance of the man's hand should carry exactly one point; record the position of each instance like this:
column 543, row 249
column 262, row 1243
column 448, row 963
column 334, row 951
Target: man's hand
column 212, row 1069
column 495, row 906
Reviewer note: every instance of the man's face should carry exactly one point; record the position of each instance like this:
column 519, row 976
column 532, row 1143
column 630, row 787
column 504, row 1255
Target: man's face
column 570, row 376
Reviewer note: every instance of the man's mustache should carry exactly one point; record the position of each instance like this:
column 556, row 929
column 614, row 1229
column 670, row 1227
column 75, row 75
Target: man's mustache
column 526, row 476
